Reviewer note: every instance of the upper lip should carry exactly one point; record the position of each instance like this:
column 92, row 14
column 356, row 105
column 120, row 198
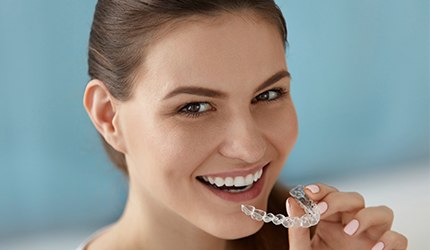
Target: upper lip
column 241, row 172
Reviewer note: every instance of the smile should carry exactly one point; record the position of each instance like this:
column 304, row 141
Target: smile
column 235, row 183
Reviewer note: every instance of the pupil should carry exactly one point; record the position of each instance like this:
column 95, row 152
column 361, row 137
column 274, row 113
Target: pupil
column 264, row 96
column 194, row 108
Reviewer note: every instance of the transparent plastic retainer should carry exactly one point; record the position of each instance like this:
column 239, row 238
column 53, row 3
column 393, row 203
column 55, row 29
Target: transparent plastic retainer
column 310, row 218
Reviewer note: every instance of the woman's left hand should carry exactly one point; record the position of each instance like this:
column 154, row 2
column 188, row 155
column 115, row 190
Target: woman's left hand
column 345, row 223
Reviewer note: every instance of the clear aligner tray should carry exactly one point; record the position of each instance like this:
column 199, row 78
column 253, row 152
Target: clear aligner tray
column 310, row 218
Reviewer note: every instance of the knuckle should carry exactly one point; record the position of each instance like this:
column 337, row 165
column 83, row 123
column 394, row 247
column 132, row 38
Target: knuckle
column 396, row 240
column 358, row 197
column 331, row 188
column 388, row 211
column 405, row 241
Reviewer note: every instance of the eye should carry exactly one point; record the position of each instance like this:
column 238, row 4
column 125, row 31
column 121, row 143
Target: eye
column 195, row 109
column 270, row 95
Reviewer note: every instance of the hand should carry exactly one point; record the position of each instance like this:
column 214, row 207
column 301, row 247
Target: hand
column 345, row 223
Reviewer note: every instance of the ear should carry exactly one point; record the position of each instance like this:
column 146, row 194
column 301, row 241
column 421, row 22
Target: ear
column 102, row 109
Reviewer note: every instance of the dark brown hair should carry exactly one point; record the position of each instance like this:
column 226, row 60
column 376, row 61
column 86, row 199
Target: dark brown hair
column 121, row 33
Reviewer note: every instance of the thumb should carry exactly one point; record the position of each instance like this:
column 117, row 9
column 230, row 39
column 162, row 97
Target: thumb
column 299, row 238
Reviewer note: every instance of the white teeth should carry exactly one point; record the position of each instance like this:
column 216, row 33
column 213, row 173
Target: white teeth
column 238, row 181
column 249, row 179
column 229, row 181
column 255, row 177
column 241, row 190
column 219, row 181
column 211, row 180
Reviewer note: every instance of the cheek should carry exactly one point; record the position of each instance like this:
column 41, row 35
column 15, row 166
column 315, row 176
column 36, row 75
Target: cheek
column 167, row 148
column 185, row 143
column 280, row 126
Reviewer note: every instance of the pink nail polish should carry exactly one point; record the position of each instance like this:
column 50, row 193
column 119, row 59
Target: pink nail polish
column 313, row 188
column 322, row 206
column 352, row 227
column 378, row 246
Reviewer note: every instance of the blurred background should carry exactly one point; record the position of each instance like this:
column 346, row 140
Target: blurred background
column 360, row 85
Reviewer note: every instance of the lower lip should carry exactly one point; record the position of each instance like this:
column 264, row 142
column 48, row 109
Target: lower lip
column 249, row 194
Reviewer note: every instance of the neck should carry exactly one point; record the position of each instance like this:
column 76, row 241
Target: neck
column 145, row 224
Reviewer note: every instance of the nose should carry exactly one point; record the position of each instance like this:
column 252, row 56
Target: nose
column 243, row 140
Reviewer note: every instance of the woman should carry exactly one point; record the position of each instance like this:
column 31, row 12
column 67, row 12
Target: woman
column 184, row 93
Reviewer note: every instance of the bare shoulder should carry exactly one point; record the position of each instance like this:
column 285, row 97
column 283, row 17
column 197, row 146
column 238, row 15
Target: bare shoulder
column 104, row 238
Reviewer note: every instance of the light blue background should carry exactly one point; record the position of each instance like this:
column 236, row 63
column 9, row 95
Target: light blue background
column 360, row 85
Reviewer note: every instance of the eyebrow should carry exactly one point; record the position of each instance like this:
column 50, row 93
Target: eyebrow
column 200, row 91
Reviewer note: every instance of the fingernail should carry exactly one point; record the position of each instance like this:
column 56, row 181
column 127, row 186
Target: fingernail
column 313, row 188
column 322, row 206
column 378, row 246
column 352, row 227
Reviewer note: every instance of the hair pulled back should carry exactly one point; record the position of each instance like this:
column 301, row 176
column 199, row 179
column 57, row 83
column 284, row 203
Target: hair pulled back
column 122, row 31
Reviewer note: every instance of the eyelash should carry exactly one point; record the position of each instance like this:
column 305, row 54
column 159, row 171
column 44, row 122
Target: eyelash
column 280, row 91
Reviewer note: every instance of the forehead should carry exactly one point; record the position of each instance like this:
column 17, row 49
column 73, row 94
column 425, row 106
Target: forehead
column 226, row 49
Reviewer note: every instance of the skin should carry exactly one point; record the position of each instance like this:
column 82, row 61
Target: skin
column 338, row 210
column 166, row 150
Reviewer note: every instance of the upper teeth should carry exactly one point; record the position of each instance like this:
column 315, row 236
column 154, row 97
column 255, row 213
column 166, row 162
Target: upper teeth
column 238, row 181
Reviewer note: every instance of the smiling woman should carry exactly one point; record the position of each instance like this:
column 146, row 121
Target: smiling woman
column 192, row 101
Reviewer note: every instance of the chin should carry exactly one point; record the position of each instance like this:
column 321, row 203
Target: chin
column 238, row 230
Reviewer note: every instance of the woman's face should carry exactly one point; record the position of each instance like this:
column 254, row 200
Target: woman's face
column 207, row 104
